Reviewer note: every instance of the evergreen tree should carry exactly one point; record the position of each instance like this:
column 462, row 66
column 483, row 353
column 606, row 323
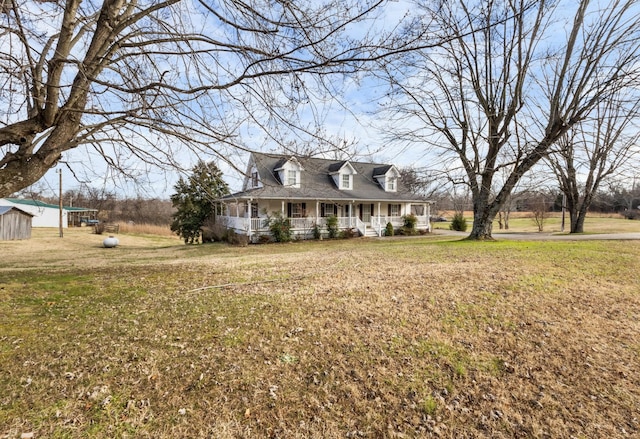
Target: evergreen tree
column 195, row 200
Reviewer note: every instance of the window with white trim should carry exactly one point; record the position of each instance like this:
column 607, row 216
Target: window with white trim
column 394, row 210
column 346, row 181
column 254, row 179
column 292, row 177
column 391, row 184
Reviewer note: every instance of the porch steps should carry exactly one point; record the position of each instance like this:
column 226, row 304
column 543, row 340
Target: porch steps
column 371, row 233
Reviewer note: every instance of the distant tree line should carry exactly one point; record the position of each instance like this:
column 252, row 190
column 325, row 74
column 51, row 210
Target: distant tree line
column 614, row 199
column 111, row 207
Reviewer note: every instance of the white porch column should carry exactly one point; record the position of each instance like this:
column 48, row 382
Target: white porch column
column 428, row 210
column 352, row 213
column 249, row 218
column 237, row 209
column 282, row 211
column 317, row 210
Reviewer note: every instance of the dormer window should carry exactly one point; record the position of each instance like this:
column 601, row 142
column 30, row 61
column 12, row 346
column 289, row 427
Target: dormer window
column 387, row 177
column 289, row 172
column 346, row 181
column 292, row 177
column 391, row 184
column 342, row 174
column 252, row 179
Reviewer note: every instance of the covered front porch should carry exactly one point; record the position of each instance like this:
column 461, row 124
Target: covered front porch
column 249, row 217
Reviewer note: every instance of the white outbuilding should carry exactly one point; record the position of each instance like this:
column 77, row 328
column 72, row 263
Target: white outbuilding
column 44, row 214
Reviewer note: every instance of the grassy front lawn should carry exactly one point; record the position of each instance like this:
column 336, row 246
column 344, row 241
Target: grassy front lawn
column 361, row 338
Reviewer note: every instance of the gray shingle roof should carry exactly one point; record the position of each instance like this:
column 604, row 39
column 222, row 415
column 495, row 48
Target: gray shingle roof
column 381, row 170
column 335, row 167
column 316, row 182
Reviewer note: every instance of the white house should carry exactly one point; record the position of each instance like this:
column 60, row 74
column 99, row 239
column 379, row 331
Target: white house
column 364, row 196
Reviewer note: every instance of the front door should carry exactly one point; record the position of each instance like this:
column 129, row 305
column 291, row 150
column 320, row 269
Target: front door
column 365, row 213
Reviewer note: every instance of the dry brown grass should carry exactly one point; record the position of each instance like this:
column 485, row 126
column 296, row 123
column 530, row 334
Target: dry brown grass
column 145, row 229
column 364, row 338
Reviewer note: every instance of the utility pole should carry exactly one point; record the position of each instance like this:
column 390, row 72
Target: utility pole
column 60, row 201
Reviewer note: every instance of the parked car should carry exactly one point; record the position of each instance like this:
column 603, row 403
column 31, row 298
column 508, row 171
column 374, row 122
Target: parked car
column 438, row 219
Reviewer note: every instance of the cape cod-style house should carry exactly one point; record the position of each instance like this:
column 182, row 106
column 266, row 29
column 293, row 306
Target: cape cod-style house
column 364, row 196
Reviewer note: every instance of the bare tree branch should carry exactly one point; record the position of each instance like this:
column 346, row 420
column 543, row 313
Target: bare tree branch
column 595, row 150
column 498, row 96
column 114, row 71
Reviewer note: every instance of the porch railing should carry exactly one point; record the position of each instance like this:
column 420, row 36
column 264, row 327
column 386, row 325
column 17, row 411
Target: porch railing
column 380, row 224
column 346, row 222
column 257, row 225
column 361, row 226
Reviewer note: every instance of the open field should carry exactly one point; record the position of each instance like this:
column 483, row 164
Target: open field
column 522, row 222
column 418, row 337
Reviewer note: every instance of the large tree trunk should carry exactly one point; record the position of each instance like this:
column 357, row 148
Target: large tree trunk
column 580, row 214
column 577, row 223
column 573, row 207
column 483, row 216
column 481, row 230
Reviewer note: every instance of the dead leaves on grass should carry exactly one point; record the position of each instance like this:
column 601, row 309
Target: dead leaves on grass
column 414, row 347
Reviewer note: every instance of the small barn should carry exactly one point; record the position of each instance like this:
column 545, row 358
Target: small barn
column 14, row 223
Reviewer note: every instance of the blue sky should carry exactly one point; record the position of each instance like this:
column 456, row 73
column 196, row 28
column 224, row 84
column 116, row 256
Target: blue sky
column 354, row 122
column 353, row 118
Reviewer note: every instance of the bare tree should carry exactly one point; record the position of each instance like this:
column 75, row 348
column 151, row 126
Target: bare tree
column 539, row 211
column 146, row 79
column 505, row 213
column 420, row 181
column 511, row 83
column 594, row 150
column 143, row 211
column 627, row 200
